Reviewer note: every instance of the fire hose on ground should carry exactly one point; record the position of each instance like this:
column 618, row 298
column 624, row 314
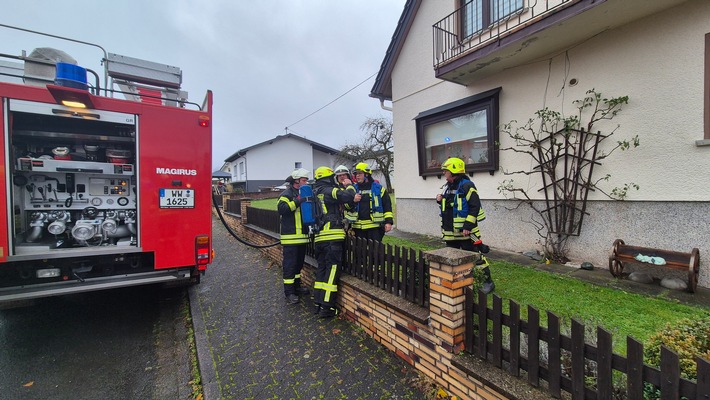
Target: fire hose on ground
column 231, row 232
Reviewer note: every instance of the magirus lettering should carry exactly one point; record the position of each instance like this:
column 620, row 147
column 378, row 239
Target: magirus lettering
column 175, row 171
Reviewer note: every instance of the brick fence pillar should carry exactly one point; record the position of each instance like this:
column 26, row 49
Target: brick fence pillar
column 450, row 271
column 246, row 202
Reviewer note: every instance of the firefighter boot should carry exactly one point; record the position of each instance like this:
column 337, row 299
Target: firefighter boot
column 292, row 299
column 488, row 285
column 300, row 290
column 327, row 312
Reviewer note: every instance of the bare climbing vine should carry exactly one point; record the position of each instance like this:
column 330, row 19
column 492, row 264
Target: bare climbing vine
column 564, row 151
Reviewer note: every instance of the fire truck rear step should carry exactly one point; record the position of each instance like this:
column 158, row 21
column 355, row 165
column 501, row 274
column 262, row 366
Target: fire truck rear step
column 92, row 284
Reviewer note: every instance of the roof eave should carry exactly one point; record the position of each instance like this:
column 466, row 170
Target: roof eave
column 315, row 145
column 382, row 89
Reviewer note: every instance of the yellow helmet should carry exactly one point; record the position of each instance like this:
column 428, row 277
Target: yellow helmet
column 454, row 165
column 323, row 172
column 363, row 167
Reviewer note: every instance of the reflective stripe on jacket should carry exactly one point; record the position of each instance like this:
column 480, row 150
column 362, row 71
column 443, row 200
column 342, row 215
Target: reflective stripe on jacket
column 292, row 229
column 331, row 197
column 373, row 210
column 461, row 210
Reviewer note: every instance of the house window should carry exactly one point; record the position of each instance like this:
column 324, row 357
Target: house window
column 467, row 129
column 477, row 15
column 298, row 165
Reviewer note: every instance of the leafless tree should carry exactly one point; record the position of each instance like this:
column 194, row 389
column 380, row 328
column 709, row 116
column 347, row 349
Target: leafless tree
column 376, row 145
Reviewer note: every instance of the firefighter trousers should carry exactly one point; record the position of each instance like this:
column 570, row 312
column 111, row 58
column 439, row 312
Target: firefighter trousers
column 329, row 255
column 376, row 234
column 294, row 256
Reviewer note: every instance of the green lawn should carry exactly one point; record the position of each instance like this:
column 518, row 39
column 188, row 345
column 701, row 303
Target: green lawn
column 621, row 313
column 265, row 204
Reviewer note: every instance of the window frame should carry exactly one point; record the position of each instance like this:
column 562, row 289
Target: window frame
column 488, row 101
column 486, row 7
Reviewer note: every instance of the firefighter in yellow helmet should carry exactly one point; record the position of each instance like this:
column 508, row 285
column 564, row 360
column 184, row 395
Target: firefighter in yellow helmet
column 329, row 239
column 294, row 235
column 461, row 211
column 372, row 217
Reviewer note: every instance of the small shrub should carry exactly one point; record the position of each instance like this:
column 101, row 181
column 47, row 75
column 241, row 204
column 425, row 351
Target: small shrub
column 688, row 338
column 478, row 279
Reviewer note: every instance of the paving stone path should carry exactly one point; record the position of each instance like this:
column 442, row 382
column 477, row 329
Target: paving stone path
column 253, row 345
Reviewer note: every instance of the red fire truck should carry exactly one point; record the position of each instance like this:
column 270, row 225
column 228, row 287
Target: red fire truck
column 101, row 186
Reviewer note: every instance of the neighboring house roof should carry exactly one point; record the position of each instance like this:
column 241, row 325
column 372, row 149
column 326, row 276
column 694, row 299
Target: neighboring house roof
column 382, row 89
column 315, row 145
column 221, row 174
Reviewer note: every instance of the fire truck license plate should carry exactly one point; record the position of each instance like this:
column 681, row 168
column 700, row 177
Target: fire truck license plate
column 177, row 198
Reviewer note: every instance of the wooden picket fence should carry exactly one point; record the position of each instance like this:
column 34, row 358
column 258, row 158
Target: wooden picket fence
column 399, row 270
column 265, row 219
column 570, row 359
column 234, row 206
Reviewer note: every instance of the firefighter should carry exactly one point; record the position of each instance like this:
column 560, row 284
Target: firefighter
column 372, row 217
column 342, row 176
column 294, row 236
column 460, row 210
column 329, row 240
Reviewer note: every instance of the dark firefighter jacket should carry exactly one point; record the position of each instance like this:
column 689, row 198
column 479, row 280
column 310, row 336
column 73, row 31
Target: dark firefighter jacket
column 292, row 229
column 374, row 208
column 460, row 209
column 331, row 197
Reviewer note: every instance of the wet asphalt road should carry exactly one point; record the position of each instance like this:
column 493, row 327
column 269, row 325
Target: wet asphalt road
column 119, row 344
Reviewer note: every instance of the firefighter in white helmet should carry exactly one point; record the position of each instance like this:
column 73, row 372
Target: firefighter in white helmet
column 294, row 237
column 461, row 211
column 342, row 176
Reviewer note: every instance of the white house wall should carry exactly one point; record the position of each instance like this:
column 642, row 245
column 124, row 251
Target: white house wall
column 322, row 159
column 657, row 61
column 277, row 160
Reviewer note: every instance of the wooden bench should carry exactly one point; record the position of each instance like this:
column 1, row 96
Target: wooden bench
column 622, row 253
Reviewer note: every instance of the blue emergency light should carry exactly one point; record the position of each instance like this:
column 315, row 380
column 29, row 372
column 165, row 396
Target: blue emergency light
column 71, row 75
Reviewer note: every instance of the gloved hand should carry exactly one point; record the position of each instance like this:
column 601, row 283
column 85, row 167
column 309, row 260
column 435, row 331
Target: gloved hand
column 480, row 247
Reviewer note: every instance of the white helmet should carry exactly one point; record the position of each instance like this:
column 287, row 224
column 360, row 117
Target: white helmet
column 299, row 173
column 341, row 169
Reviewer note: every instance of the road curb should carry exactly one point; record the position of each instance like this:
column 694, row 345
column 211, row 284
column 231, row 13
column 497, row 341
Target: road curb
column 210, row 384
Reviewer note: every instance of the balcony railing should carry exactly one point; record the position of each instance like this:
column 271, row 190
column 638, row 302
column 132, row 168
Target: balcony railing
column 479, row 23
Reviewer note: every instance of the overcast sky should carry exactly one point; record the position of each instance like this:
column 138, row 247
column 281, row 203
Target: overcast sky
column 269, row 63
